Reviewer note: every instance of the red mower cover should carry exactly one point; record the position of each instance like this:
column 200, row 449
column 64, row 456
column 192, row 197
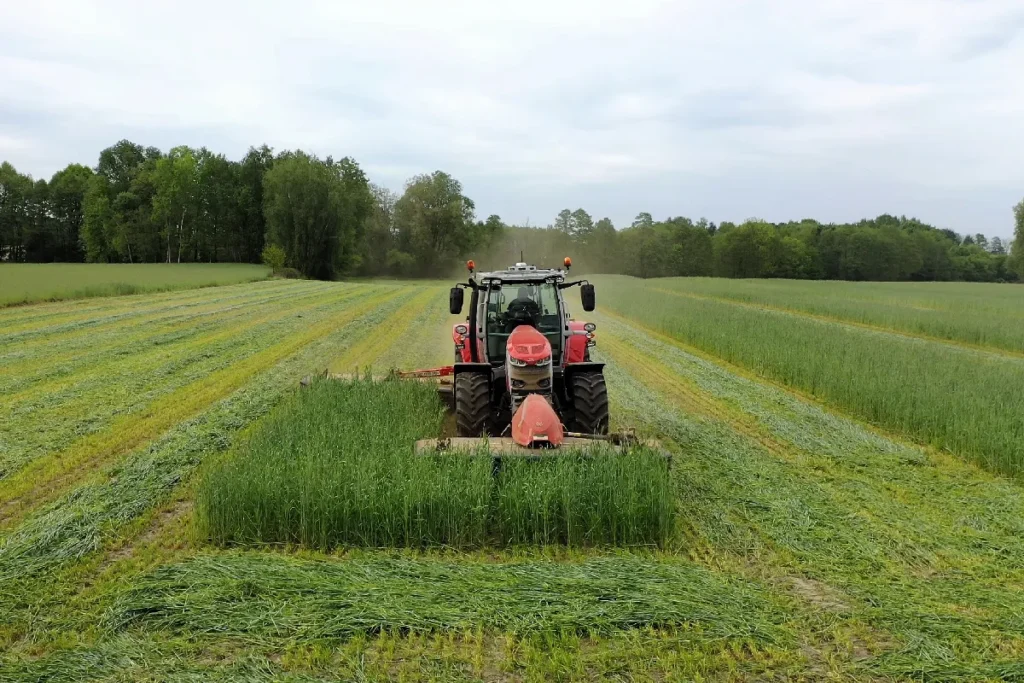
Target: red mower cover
column 536, row 424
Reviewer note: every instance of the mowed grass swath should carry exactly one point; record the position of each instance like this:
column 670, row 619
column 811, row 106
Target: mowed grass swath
column 30, row 282
column 254, row 596
column 961, row 400
column 336, row 465
column 983, row 314
column 66, row 405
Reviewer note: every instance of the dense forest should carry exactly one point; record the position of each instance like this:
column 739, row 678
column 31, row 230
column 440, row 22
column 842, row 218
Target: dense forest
column 324, row 219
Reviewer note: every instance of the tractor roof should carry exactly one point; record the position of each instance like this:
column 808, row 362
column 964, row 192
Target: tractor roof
column 522, row 272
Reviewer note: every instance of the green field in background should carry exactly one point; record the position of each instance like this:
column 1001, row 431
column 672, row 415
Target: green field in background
column 31, row 282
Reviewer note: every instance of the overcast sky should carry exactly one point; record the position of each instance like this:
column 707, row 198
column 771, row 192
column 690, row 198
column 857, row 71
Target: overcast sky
column 729, row 110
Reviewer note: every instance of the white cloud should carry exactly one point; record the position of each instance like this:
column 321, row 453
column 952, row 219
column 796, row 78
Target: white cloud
column 726, row 109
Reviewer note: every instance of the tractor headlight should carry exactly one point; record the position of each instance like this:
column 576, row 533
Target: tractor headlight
column 512, row 360
column 543, row 362
column 589, row 327
column 461, row 329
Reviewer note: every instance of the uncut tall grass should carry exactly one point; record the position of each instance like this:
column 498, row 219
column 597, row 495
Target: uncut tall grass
column 335, row 465
column 966, row 402
column 974, row 312
column 592, row 497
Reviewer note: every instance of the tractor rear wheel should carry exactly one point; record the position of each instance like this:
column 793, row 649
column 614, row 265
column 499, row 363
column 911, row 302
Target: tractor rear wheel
column 472, row 404
column 590, row 402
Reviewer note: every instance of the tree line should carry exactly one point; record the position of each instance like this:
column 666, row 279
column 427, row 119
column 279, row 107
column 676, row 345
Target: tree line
column 323, row 218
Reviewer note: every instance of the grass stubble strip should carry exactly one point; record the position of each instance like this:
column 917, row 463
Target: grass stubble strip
column 336, row 466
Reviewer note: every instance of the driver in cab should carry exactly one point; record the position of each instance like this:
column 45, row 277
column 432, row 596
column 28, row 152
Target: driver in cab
column 522, row 310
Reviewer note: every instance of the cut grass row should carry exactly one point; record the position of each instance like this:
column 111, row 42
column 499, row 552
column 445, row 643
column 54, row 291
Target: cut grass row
column 335, row 465
column 259, row 597
column 22, row 283
column 403, row 330
column 46, row 555
column 677, row 654
column 121, row 388
column 978, row 314
column 45, row 477
column 145, row 360
column 950, row 398
column 123, row 312
column 33, row 356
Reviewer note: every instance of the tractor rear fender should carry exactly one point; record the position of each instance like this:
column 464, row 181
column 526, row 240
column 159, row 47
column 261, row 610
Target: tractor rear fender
column 462, row 342
column 576, row 349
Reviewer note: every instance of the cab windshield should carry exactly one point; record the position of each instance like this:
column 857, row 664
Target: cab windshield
column 522, row 303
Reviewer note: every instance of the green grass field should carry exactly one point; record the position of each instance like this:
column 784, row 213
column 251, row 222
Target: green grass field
column 985, row 315
column 22, row 283
column 845, row 493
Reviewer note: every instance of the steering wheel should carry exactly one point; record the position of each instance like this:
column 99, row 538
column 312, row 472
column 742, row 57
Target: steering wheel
column 522, row 312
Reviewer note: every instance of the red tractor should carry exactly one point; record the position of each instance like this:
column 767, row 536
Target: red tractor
column 522, row 365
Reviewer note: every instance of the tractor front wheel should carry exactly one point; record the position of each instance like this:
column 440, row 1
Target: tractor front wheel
column 590, row 403
column 472, row 404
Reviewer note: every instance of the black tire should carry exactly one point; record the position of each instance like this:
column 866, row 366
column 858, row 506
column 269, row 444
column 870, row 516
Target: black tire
column 590, row 403
column 472, row 404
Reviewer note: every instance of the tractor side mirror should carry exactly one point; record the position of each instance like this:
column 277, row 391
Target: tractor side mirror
column 455, row 300
column 587, row 297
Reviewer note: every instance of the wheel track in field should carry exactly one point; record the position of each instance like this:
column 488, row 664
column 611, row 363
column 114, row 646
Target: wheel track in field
column 46, row 478
column 150, row 358
column 772, row 568
column 956, row 344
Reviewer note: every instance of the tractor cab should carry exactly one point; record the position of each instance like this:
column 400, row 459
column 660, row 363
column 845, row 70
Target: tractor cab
column 514, row 303
column 519, row 339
